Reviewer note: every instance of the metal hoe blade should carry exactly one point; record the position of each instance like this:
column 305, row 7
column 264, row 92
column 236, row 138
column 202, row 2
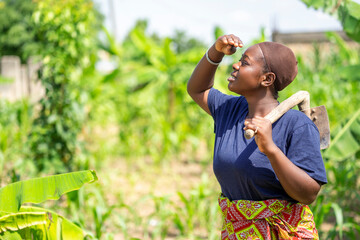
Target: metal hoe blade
column 320, row 117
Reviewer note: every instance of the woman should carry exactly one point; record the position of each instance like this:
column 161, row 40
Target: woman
column 268, row 182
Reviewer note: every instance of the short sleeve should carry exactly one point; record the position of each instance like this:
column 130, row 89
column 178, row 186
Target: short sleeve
column 215, row 100
column 225, row 108
column 304, row 151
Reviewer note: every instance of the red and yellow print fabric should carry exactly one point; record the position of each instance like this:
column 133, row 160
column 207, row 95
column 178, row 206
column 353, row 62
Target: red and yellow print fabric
column 265, row 220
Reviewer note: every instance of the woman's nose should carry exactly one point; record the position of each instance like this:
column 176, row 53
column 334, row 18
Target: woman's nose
column 236, row 66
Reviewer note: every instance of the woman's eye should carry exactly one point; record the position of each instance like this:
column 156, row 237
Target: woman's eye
column 244, row 62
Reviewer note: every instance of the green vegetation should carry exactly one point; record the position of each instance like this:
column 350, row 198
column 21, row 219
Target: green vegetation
column 27, row 222
column 348, row 13
column 66, row 32
column 150, row 144
column 17, row 35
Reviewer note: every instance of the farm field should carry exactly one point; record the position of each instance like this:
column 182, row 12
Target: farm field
column 125, row 153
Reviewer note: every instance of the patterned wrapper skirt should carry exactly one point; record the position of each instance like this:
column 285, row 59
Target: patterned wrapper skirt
column 269, row 219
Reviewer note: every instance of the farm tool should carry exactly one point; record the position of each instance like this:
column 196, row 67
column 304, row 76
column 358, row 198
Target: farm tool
column 317, row 114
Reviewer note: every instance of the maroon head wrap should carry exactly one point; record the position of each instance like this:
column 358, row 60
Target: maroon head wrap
column 281, row 61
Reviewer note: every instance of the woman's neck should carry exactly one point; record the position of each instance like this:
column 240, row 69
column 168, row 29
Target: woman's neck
column 261, row 106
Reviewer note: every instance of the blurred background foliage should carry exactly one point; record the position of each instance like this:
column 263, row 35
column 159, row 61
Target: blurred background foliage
column 17, row 35
column 66, row 38
column 149, row 142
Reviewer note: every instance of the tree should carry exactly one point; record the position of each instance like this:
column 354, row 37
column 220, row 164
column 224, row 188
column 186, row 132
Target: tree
column 17, row 35
column 66, row 32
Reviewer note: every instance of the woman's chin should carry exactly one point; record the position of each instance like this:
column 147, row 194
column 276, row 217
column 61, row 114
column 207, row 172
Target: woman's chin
column 230, row 86
column 232, row 89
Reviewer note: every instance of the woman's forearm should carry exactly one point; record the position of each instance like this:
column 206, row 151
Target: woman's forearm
column 202, row 78
column 296, row 182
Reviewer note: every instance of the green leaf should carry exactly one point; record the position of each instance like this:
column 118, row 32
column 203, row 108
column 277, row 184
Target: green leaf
column 339, row 218
column 326, row 5
column 112, row 46
column 140, row 40
column 349, row 15
column 59, row 225
column 350, row 72
column 346, row 143
column 314, row 3
column 218, row 32
column 348, row 12
column 10, row 236
column 41, row 221
column 170, row 58
column 18, row 221
column 38, row 190
column 111, row 77
column 345, row 51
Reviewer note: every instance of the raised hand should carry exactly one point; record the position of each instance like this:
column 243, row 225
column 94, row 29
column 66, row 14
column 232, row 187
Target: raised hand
column 227, row 44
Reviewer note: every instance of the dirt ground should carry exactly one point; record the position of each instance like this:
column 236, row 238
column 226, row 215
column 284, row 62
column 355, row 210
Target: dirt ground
column 138, row 180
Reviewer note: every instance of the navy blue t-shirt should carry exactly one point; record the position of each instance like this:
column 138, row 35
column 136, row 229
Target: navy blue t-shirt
column 241, row 169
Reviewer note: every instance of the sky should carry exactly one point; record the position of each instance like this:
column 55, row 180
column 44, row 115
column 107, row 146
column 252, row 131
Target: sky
column 198, row 18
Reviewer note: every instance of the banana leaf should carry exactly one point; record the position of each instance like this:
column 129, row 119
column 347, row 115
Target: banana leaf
column 18, row 221
column 349, row 14
column 38, row 190
column 10, row 236
column 345, row 51
column 38, row 223
column 346, row 142
column 318, row 4
column 170, row 57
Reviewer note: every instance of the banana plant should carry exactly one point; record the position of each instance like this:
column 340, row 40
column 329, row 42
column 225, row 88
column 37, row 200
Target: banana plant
column 150, row 83
column 348, row 13
column 38, row 223
column 29, row 222
column 341, row 194
column 346, row 140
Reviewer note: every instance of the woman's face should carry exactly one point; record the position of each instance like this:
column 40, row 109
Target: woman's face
column 248, row 72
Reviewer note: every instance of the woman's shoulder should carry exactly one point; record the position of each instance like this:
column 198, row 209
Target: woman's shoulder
column 218, row 98
column 295, row 128
column 223, row 106
column 219, row 94
column 296, row 119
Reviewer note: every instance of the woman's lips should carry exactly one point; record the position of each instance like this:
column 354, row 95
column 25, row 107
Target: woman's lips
column 231, row 79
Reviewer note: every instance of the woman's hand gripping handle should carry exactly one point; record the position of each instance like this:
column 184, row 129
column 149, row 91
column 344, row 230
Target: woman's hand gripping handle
column 301, row 98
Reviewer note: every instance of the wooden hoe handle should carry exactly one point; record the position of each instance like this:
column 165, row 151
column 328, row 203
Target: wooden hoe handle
column 301, row 98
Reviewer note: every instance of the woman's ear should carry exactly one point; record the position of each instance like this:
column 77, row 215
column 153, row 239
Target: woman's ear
column 268, row 79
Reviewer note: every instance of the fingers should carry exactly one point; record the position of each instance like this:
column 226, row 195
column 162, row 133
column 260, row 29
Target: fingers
column 231, row 40
column 262, row 128
column 257, row 124
column 236, row 41
column 251, row 126
column 228, row 44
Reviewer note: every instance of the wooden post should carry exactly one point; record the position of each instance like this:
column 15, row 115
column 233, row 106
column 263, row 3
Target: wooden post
column 11, row 68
